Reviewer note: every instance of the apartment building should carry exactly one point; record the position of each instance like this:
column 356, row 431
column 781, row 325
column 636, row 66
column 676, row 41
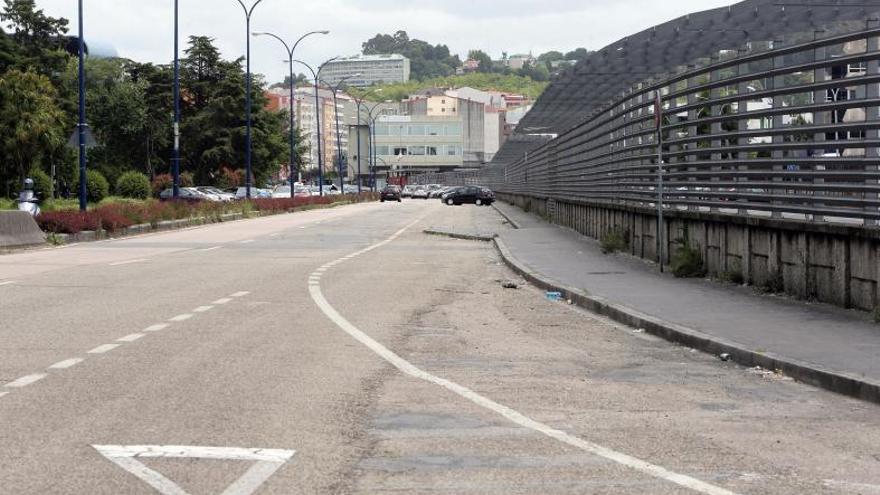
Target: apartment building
column 370, row 69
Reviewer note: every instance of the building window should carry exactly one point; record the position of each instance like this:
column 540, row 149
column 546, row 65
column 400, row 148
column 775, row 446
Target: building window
column 382, row 150
column 431, row 150
column 400, row 151
column 416, row 150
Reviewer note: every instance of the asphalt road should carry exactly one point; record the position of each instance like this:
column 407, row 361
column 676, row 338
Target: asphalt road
column 343, row 351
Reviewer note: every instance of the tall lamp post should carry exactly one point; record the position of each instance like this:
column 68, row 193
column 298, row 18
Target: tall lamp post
column 82, row 113
column 374, row 154
column 316, row 75
column 293, row 169
column 175, row 166
column 360, row 102
column 338, row 135
column 248, row 13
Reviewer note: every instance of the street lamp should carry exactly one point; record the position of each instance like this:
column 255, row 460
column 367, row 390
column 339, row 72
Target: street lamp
column 293, row 169
column 339, row 136
column 248, row 12
column 359, row 102
column 82, row 113
column 316, row 74
column 175, row 165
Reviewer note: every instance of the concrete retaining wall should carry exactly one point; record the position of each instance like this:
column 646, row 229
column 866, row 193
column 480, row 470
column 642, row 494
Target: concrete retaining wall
column 835, row 264
column 18, row 229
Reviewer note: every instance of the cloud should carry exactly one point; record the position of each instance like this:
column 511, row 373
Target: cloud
column 142, row 30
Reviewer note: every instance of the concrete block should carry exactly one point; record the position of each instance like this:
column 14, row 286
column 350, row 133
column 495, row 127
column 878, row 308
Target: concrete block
column 18, row 229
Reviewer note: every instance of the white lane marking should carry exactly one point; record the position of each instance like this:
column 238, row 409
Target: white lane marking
column 211, row 249
column 156, row 328
column 203, row 309
column 179, row 318
column 240, row 294
column 26, row 380
column 247, row 241
column 222, row 301
column 131, row 338
column 129, row 262
column 8, row 282
column 3, row 393
column 266, row 463
column 67, row 363
column 302, row 227
column 101, row 349
column 274, row 235
column 408, row 368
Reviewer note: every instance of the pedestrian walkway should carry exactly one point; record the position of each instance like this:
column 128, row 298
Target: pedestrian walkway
column 821, row 336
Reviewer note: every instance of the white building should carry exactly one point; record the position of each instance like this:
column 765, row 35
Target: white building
column 372, row 69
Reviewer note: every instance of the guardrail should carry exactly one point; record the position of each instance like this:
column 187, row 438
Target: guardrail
column 786, row 129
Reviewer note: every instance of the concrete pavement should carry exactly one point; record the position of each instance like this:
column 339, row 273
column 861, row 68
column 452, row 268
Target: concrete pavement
column 820, row 344
column 191, row 346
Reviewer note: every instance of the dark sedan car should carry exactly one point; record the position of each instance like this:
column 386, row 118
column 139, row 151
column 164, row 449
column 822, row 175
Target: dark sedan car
column 390, row 193
column 479, row 196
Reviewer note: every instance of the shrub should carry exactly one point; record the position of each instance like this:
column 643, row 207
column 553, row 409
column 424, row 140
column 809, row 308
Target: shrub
column 7, row 204
column 97, row 187
column 687, row 262
column 60, row 205
column 732, row 276
column 186, row 179
column 42, row 183
column 68, row 222
column 112, row 218
column 133, row 185
column 161, row 182
column 614, row 240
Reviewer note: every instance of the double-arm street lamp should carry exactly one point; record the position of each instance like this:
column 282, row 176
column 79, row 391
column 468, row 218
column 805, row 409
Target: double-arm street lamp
column 248, row 13
column 316, row 75
column 360, row 102
column 338, row 135
column 293, row 169
column 374, row 154
column 82, row 113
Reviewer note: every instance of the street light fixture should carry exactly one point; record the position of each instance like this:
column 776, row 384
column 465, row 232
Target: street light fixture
column 175, row 165
column 293, row 170
column 316, row 75
column 248, row 13
column 338, row 135
column 82, row 113
column 360, row 102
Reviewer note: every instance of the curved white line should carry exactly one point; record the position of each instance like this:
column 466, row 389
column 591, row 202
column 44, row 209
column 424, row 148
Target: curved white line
column 408, row 368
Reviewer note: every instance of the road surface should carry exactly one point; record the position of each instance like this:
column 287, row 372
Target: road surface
column 344, row 351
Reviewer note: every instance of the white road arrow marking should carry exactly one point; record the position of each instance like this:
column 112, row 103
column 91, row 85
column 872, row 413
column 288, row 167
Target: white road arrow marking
column 266, row 462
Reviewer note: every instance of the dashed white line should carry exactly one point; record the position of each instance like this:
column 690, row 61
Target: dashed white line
column 180, row 318
column 240, row 294
column 131, row 338
column 26, row 380
column 101, row 349
column 224, row 300
column 211, row 249
column 203, row 309
column 514, row 416
column 247, row 241
column 67, row 363
column 129, row 262
column 274, row 235
column 3, row 393
column 8, row 282
column 156, row 328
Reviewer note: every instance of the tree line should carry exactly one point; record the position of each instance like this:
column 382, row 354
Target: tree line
column 129, row 109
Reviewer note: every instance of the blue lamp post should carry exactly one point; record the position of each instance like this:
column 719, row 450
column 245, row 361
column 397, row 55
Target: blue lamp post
column 293, row 170
column 82, row 113
column 175, row 167
column 248, row 13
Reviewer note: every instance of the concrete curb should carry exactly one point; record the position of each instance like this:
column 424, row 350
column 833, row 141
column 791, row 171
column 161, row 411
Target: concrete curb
column 465, row 237
column 842, row 383
column 511, row 221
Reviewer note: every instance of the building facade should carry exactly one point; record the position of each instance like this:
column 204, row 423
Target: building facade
column 372, row 69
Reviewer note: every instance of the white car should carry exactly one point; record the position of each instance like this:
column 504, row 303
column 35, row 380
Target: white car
column 420, row 192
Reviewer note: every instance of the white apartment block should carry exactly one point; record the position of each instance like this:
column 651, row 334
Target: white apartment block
column 372, row 69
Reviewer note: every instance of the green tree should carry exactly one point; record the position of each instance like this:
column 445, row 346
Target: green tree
column 39, row 39
column 133, row 184
column 535, row 71
column 426, row 60
column 484, row 59
column 31, row 122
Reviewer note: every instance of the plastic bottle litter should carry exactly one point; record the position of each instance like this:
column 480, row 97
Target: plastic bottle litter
column 553, row 296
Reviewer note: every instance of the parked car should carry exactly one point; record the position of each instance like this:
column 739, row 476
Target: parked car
column 186, row 194
column 390, row 193
column 420, row 192
column 241, row 193
column 407, row 191
column 479, row 196
column 216, row 193
column 434, row 190
column 283, row 191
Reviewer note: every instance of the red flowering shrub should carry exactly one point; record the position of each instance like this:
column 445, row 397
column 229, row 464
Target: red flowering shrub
column 112, row 217
column 68, row 222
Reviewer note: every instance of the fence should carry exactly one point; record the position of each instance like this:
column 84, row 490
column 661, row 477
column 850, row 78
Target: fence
column 784, row 129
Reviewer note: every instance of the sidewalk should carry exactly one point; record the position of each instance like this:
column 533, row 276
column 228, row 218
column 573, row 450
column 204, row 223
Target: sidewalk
column 819, row 344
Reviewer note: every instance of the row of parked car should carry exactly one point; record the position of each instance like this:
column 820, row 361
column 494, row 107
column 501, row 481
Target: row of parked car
column 211, row 193
column 450, row 195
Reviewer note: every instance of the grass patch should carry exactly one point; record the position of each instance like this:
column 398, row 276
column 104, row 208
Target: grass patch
column 687, row 262
column 773, row 285
column 614, row 240
column 7, row 204
column 732, row 276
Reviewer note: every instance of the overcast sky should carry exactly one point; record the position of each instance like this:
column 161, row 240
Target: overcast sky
column 142, row 29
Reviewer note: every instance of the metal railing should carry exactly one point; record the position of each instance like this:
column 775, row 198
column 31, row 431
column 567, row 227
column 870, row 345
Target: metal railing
column 788, row 130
